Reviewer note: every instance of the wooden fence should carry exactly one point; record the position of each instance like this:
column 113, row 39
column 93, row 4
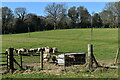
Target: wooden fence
column 3, row 62
column 8, row 64
column 7, row 61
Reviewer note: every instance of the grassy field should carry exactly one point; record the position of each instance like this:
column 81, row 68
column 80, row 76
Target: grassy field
column 105, row 43
column 108, row 74
column 70, row 40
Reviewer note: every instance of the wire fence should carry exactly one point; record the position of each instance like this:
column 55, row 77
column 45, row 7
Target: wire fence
column 55, row 64
column 28, row 61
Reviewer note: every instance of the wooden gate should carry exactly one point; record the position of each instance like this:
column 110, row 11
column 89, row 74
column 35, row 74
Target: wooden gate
column 7, row 62
column 3, row 62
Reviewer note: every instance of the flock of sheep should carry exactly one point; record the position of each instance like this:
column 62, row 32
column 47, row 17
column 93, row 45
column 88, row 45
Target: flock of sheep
column 46, row 55
column 34, row 50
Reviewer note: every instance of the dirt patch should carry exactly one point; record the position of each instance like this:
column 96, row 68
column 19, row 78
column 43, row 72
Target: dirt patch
column 52, row 68
column 48, row 68
column 106, row 62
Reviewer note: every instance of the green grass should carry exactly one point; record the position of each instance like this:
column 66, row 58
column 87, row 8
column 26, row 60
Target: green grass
column 69, row 40
column 108, row 74
column 105, row 43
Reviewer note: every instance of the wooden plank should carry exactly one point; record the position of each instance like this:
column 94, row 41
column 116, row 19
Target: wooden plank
column 113, row 67
column 15, row 55
column 117, row 54
column 41, row 60
column 3, row 64
column 3, row 60
column 3, row 53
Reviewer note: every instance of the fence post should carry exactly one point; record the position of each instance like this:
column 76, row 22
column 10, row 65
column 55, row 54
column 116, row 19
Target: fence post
column 7, row 59
column 21, row 61
column 116, row 58
column 64, row 63
column 90, row 59
column 10, row 60
column 41, row 60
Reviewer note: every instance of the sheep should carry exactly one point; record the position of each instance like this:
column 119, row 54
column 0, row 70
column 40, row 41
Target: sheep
column 46, row 57
column 32, row 51
column 21, row 51
column 54, row 59
column 39, row 49
column 14, row 50
column 6, row 51
column 48, row 49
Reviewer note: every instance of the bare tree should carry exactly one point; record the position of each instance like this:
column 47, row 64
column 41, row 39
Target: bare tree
column 7, row 17
column 114, row 8
column 21, row 13
column 107, row 18
column 54, row 11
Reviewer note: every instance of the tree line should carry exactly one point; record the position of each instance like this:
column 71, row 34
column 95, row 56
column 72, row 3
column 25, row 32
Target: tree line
column 59, row 17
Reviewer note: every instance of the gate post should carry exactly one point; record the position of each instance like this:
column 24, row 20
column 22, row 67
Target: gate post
column 21, row 61
column 41, row 59
column 10, row 60
column 90, row 58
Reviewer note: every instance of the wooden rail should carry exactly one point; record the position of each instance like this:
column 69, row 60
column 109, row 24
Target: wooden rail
column 3, row 66
column 3, row 61
column 4, row 53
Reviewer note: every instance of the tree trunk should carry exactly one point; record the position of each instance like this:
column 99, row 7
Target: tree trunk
column 54, row 26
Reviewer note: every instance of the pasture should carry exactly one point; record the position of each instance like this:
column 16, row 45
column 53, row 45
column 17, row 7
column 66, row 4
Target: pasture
column 105, row 43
